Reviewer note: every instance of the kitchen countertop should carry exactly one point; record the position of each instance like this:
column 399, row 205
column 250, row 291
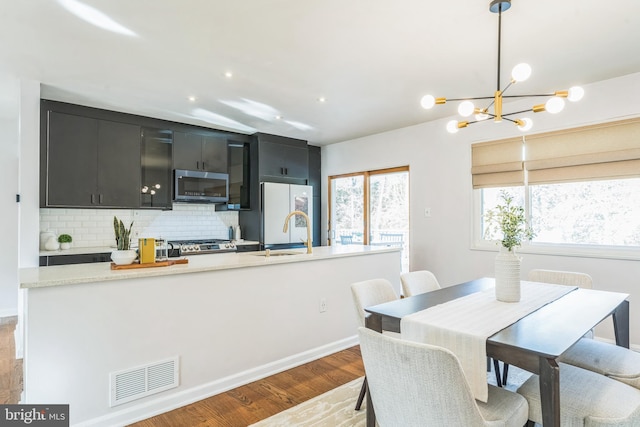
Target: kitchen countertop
column 38, row 277
column 107, row 249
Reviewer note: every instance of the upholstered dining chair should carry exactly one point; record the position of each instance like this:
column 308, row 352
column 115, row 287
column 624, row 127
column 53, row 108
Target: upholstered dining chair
column 587, row 399
column 416, row 384
column 607, row 359
column 365, row 294
column 418, row 282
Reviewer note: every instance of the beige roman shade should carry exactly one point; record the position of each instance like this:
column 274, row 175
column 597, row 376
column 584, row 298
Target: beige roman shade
column 604, row 151
column 497, row 163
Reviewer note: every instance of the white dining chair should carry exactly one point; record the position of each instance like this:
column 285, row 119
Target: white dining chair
column 418, row 282
column 586, row 399
column 611, row 360
column 366, row 294
column 416, row 384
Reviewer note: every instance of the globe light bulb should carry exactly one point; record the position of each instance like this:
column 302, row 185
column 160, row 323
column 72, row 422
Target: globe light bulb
column 554, row 105
column 427, row 102
column 575, row 94
column 521, row 72
column 481, row 116
column 452, row 126
column 527, row 124
column 466, row 108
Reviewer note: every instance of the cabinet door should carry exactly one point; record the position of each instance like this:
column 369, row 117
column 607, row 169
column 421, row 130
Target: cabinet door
column 272, row 162
column 214, row 154
column 72, row 153
column 118, row 164
column 187, row 151
column 296, row 162
column 156, row 168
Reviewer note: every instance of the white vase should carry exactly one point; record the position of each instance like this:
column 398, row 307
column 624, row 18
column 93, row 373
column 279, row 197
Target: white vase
column 123, row 257
column 507, row 270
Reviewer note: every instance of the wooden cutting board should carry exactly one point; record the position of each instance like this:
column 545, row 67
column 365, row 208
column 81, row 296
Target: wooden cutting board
column 136, row 264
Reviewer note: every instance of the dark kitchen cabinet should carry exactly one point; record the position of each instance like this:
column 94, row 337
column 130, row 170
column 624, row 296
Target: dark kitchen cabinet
column 282, row 159
column 156, row 155
column 200, row 151
column 315, row 179
column 90, row 162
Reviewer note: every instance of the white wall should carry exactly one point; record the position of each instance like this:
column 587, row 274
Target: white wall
column 440, row 179
column 9, row 216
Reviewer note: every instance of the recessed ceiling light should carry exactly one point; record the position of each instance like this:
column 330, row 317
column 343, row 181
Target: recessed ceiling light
column 95, row 17
column 192, row 98
column 228, row 74
column 322, row 99
column 278, row 117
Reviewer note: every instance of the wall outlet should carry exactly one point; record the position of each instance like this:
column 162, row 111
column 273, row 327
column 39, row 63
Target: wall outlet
column 323, row 305
column 427, row 212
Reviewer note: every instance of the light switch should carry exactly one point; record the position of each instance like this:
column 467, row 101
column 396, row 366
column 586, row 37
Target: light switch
column 427, row 212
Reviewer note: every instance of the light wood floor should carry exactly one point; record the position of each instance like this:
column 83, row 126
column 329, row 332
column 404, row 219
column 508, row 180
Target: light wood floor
column 261, row 399
column 236, row 408
column 10, row 368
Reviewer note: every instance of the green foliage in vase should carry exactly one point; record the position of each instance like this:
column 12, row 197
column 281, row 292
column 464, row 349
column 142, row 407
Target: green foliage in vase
column 509, row 221
column 123, row 236
column 64, row 238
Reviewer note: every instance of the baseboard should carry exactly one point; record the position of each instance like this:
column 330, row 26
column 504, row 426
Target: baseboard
column 173, row 401
column 8, row 312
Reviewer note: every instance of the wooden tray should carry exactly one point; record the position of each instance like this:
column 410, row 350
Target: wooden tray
column 136, row 264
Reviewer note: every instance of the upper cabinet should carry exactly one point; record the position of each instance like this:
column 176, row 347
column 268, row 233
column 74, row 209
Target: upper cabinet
column 282, row 159
column 201, row 151
column 156, row 154
column 89, row 162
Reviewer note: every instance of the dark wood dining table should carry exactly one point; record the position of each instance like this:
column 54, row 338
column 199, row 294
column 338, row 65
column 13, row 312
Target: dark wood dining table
column 534, row 343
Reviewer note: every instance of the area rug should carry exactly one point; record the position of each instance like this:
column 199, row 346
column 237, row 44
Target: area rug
column 335, row 408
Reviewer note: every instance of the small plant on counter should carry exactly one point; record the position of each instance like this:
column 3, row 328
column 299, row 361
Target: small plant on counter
column 64, row 238
column 123, row 236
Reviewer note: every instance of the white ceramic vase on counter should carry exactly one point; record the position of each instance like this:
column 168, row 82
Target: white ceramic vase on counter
column 507, row 271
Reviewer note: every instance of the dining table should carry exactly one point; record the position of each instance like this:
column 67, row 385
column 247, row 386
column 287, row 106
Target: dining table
column 534, row 343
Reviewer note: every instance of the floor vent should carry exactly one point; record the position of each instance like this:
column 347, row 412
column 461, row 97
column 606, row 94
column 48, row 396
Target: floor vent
column 136, row 383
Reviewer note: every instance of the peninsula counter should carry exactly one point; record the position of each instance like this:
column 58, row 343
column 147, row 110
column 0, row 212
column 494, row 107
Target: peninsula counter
column 228, row 319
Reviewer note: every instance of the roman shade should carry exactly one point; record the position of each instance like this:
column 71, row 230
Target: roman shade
column 497, row 163
column 605, row 151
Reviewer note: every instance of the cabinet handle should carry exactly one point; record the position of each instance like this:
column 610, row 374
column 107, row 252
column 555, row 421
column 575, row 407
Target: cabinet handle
column 100, row 198
column 286, row 171
column 204, row 167
column 93, row 199
column 197, row 165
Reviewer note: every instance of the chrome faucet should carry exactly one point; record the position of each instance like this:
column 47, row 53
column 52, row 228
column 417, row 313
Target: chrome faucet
column 306, row 217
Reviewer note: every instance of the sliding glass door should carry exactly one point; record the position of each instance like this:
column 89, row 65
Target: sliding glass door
column 371, row 208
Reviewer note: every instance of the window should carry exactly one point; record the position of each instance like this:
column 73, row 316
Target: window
column 581, row 190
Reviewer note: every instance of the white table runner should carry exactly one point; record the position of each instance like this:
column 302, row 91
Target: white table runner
column 464, row 324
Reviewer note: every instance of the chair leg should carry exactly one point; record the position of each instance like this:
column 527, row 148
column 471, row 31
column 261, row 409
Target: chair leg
column 530, row 423
column 496, row 368
column 505, row 372
column 363, row 392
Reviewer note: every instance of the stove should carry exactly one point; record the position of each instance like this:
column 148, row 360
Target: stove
column 194, row 247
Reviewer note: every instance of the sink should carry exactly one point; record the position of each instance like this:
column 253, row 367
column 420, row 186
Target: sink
column 277, row 253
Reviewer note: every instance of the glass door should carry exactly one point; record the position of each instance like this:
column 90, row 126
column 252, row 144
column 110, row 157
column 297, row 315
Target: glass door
column 371, row 208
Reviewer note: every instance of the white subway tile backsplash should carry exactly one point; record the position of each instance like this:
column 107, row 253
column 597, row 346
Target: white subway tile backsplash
column 94, row 227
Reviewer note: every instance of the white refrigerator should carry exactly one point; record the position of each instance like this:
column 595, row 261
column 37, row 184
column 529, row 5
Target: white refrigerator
column 278, row 200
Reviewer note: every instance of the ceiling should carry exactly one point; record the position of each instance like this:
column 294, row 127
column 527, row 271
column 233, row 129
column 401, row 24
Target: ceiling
column 372, row 60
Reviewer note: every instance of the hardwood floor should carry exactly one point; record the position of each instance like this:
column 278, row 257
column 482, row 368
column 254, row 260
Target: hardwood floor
column 235, row 408
column 10, row 368
column 261, row 399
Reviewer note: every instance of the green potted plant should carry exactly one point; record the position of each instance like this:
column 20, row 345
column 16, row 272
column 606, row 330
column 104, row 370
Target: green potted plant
column 508, row 223
column 123, row 253
column 65, row 241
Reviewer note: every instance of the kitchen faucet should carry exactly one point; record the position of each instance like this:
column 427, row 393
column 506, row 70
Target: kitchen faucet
column 306, row 217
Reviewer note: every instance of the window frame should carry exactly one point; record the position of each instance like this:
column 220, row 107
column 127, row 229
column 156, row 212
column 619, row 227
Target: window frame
column 558, row 249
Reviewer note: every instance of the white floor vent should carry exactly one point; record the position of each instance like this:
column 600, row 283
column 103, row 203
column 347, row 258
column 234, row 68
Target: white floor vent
column 136, row 383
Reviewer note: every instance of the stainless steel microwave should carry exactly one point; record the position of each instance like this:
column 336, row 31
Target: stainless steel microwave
column 200, row 187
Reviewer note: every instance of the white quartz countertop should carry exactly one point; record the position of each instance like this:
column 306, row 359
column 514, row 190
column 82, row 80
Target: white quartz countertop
column 37, row 277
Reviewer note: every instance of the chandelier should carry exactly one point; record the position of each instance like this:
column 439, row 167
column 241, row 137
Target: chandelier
column 520, row 73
